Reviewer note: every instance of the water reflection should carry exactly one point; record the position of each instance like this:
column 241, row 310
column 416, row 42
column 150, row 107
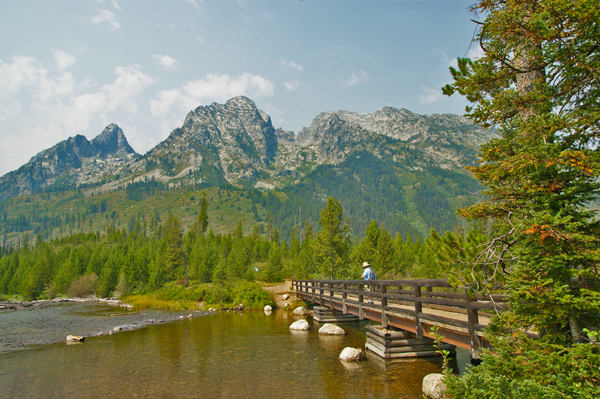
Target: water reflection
column 220, row 355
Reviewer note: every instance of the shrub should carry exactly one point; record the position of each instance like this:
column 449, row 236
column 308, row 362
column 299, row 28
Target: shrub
column 83, row 286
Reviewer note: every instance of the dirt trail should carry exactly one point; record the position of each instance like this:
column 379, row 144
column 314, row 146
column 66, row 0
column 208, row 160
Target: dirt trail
column 279, row 291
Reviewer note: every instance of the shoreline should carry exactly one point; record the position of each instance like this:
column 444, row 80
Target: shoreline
column 44, row 303
column 55, row 323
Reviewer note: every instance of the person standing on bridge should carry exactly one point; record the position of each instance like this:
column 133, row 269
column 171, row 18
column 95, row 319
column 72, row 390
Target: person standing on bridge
column 369, row 274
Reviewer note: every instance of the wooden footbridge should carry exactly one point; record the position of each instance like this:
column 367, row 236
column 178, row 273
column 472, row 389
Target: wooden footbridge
column 415, row 306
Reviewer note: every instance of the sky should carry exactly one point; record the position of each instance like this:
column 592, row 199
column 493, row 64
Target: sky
column 73, row 67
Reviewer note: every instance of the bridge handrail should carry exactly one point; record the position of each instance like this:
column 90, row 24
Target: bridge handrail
column 418, row 282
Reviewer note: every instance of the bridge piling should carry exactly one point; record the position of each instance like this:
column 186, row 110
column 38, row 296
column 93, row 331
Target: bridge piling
column 418, row 311
column 361, row 311
column 384, row 316
column 344, row 297
column 473, row 319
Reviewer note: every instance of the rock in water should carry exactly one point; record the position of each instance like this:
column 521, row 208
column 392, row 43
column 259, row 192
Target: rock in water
column 300, row 311
column 331, row 329
column 75, row 338
column 351, row 355
column 300, row 325
column 268, row 308
column 434, row 387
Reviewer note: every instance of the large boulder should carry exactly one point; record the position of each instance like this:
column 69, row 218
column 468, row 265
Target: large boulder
column 351, row 355
column 300, row 325
column 300, row 311
column 434, row 387
column 331, row 329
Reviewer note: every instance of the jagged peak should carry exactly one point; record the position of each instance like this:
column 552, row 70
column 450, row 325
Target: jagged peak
column 240, row 102
column 112, row 140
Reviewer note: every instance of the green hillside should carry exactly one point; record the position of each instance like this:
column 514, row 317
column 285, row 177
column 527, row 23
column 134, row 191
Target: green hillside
column 404, row 200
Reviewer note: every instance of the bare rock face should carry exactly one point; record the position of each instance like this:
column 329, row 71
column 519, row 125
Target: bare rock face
column 351, row 355
column 434, row 387
column 331, row 329
column 218, row 143
column 300, row 325
column 70, row 163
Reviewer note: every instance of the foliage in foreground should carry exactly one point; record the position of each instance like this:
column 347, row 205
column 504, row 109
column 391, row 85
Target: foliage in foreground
column 534, row 370
column 538, row 83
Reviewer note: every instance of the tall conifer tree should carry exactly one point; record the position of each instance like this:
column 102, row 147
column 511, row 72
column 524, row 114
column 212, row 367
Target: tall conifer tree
column 537, row 82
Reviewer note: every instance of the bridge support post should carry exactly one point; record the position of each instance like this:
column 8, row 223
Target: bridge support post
column 418, row 311
column 384, row 317
column 331, row 305
column 312, row 285
column 473, row 318
column 321, row 293
column 361, row 311
column 344, row 297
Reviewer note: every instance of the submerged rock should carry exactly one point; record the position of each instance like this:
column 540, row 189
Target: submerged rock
column 351, row 354
column 434, row 387
column 331, row 329
column 300, row 325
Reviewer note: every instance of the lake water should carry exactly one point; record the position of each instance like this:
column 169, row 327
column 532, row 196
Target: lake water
column 222, row 355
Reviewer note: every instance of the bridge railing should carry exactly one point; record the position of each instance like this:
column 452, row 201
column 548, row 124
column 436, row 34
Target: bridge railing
column 427, row 302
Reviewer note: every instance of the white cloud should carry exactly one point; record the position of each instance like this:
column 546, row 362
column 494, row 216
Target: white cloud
column 271, row 109
column 274, row 113
column 291, row 64
column 161, row 25
column 165, row 61
column 242, row 3
column 291, row 86
column 357, row 77
column 105, row 16
column 170, row 106
column 474, row 53
column 116, row 5
column 38, row 108
column 63, row 60
column 200, row 39
column 430, row 95
column 195, row 2
column 268, row 15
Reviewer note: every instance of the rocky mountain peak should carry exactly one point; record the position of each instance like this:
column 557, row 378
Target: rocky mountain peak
column 111, row 141
column 242, row 102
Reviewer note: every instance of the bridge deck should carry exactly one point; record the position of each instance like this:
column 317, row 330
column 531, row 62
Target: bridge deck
column 411, row 305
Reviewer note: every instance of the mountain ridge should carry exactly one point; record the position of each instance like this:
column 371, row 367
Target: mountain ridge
column 236, row 143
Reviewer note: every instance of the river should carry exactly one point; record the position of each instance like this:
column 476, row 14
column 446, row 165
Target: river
column 221, row 355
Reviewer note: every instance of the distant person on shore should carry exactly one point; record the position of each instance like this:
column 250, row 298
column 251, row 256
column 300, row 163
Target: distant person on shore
column 369, row 274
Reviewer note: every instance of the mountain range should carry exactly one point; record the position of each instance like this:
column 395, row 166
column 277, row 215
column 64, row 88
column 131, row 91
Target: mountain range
column 235, row 143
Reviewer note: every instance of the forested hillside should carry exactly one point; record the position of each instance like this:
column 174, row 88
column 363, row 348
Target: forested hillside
column 155, row 255
column 404, row 200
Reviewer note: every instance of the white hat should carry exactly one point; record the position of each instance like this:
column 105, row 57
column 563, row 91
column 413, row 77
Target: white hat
column 365, row 264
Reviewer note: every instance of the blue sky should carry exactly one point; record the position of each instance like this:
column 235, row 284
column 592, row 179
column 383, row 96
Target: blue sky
column 72, row 67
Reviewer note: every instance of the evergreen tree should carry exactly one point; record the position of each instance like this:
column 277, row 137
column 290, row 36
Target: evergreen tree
column 332, row 244
column 538, row 83
column 172, row 241
column 203, row 215
column 386, row 255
